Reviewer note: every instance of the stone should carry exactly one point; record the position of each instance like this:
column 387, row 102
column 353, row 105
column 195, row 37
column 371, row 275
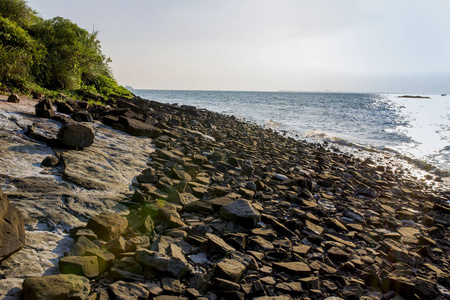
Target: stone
column 425, row 288
column 230, row 269
column 294, row 268
column 363, row 190
column 148, row 176
column 242, row 212
column 396, row 254
column 44, row 109
column 116, row 246
column 139, row 128
column 108, row 226
column 13, row 98
column 218, row 244
column 76, row 135
column 337, row 254
column 12, row 228
column 54, row 287
column 64, row 108
column 82, row 116
column 49, row 161
column 86, row 266
column 122, row 290
column 400, row 285
column 161, row 262
column 291, row 288
column 82, row 245
column 105, row 259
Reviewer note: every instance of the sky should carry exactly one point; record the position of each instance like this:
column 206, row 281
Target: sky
column 400, row 46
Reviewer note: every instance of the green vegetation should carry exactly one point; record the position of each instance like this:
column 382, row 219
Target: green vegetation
column 45, row 56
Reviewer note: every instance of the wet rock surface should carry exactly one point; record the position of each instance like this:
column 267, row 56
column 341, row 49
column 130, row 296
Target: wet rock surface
column 228, row 210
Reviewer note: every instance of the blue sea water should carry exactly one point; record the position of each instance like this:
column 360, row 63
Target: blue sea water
column 416, row 129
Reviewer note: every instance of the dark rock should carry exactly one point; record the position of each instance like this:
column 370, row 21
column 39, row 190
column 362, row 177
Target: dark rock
column 400, row 285
column 160, row 262
column 64, row 108
column 76, row 135
column 49, row 161
column 63, row 286
column 44, row 109
column 242, row 212
column 82, row 116
column 139, row 128
column 13, row 98
column 12, row 228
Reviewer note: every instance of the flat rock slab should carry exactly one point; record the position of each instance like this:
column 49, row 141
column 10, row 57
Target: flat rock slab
column 293, row 268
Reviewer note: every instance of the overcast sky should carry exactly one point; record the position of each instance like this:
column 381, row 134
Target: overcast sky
column 268, row 45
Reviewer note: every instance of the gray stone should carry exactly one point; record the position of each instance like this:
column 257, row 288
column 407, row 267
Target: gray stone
column 242, row 212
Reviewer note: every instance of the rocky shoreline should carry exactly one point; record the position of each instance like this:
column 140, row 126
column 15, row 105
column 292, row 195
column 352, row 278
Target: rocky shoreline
column 173, row 202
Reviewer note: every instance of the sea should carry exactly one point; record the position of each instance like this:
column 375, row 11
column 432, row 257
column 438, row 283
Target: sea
column 414, row 131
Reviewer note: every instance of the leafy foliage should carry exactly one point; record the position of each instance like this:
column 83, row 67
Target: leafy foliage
column 54, row 54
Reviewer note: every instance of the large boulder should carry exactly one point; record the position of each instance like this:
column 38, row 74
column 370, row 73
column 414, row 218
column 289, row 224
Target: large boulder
column 139, row 128
column 55, row 287
column 12, row 228
column 44, row 109
column 242, row 212
column 76, row 135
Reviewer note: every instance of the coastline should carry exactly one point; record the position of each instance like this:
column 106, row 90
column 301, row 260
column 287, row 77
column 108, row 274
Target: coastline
column 309, row 222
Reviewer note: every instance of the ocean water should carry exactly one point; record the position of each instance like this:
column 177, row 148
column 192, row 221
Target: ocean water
column 417, row 130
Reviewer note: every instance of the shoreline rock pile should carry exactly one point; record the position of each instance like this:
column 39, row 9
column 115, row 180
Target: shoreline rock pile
column 229, row 210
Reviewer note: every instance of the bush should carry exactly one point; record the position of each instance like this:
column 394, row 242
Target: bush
column 17, row 11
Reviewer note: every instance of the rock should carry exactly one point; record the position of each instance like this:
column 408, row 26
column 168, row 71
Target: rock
column 396, row 254
column 105, row 259
column 108, row 226
column 291, row 288
column 82, row 116
column 13, row 98
column 49, row 161
column 218, row 244
column 399, row 284
column 230, row 269
column 82, row 245
column 425, row 288
column 363, row 190
column 336, row 253
column 44, row 109
column 76, row 135
column 122, row 290
column 63, row 286
column 86, row 266
column 163, row 263
column 64, row 108
column 12, row 228
column 148, row 176
column 139, row 128
column 242, row 212
column 294, row 268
